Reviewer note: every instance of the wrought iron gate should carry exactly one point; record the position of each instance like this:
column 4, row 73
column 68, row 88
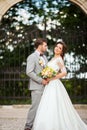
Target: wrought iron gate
column 13, row 80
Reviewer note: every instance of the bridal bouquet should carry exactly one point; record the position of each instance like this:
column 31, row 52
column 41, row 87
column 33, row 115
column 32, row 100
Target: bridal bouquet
column 47, row 72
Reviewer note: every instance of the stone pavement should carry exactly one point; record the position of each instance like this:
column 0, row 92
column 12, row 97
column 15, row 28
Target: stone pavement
column 14, row 117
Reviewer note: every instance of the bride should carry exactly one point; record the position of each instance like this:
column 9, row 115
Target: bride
column 56, row 111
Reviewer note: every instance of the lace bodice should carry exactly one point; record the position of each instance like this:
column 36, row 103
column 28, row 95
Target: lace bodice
column 57, row 64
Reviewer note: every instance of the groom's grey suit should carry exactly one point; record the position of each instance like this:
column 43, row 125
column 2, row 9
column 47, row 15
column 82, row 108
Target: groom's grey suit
column 35, row 84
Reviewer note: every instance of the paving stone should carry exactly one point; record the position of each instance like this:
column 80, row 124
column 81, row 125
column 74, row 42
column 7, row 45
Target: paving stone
column 14, row 117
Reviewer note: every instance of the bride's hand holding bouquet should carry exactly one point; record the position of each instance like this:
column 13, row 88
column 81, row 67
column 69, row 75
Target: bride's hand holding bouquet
column 48, row 73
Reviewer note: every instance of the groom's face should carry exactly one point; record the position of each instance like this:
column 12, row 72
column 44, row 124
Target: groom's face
column 44, row 47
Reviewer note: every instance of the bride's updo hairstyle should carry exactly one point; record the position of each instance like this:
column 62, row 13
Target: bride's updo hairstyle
column 64, row 48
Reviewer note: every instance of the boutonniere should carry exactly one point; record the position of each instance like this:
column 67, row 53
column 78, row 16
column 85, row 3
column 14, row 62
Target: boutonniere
column 41, row 62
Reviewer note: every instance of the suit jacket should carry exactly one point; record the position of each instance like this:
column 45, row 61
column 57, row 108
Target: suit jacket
column 33, row 69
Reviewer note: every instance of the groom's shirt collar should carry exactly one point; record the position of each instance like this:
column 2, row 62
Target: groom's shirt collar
column 39, row 53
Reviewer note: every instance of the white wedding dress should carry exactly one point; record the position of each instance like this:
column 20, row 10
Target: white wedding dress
column 55, row 111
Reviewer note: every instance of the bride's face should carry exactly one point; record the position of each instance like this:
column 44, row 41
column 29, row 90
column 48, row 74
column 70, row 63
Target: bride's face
column 58, row 49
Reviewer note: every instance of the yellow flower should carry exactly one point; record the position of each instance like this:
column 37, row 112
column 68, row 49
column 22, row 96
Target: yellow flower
column 41, row 62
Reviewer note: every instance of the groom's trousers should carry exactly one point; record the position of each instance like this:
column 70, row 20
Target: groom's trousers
column 35, row 97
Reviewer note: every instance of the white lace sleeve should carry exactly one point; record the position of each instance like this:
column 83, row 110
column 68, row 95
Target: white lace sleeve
column 61, row 65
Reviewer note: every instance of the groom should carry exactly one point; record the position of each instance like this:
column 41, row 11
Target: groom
column 35, row 63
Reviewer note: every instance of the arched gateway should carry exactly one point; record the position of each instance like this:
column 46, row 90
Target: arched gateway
column 13, row 81
column 6, row 4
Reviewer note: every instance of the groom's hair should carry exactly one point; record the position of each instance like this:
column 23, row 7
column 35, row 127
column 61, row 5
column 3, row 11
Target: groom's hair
column 39, row 41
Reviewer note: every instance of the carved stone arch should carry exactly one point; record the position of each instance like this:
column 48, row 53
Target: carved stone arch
column 5, row 5
column 81, row 3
